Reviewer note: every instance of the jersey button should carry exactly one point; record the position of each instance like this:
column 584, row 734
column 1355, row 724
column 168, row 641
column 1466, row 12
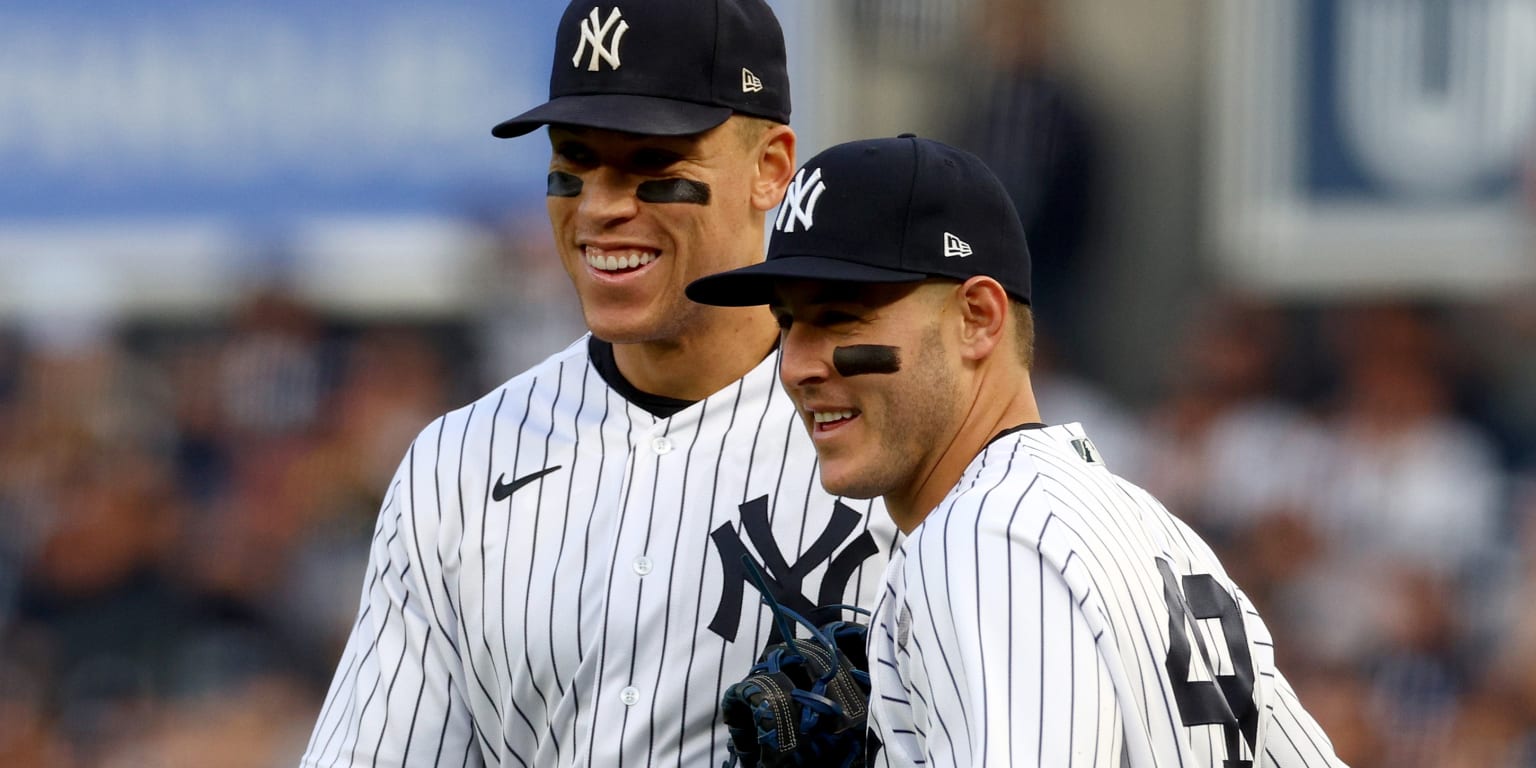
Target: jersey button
column 630, row 696
column 643, row 565
column 662, row 445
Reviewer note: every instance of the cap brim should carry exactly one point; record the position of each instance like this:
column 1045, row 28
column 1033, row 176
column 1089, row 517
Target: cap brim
column 649, row 115
column 750, row 286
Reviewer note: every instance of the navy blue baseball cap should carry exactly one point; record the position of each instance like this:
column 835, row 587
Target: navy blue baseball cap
column 662, row 67
column 885, row 211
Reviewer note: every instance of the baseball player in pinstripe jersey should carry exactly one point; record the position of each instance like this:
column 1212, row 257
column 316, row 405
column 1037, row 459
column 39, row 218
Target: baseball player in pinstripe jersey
column 1041, row 610
column 558, row 575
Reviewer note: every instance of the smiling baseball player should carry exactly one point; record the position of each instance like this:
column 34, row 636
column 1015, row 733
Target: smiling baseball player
column 560, row 572
column 1041, row 611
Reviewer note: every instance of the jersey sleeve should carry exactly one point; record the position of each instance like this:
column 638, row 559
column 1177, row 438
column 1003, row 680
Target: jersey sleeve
column 396, row 698
column 1294, row 739
column 1016, row 675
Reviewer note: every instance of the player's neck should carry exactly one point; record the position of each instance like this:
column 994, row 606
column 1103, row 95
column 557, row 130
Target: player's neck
column 1004, row 400
column 703, row 361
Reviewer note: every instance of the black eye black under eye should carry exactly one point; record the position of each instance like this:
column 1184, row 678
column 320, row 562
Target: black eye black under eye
column 673, row 191
column 562, row 184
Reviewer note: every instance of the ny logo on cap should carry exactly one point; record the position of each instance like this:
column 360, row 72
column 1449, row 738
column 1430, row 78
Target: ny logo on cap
column 800, row 201
column 954, row 246
column 596, row 32
column 750, row 83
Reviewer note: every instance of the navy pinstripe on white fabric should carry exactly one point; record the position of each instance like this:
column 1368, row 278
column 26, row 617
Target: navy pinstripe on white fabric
column 1035, row 617
column 587, row 617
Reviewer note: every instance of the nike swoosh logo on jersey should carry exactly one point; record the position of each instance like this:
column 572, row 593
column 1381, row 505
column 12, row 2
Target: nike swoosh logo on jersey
column 504, row 489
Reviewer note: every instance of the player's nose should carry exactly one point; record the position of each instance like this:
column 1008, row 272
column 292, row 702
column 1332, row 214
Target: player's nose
column 805, row 359
column 608, row 195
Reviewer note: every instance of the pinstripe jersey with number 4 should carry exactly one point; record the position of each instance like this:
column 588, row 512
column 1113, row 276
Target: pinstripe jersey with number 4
column 1050, row 613
column 556, row 576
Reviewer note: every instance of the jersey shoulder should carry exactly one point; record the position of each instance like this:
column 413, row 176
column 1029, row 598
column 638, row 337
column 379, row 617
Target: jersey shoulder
column 1033, row 473
column 1047, row 489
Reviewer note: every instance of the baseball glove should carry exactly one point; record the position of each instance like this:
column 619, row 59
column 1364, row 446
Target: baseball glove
column 805, row 701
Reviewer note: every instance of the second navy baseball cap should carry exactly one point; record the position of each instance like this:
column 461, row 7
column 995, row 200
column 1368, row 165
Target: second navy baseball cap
column 885, row 211
column 662, row 67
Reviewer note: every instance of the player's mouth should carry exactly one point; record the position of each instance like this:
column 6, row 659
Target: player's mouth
column 828, row 421
column 617, row 262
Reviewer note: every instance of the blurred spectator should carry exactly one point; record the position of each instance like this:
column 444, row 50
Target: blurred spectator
column 1410, row 515
column 1411, row 478
column 1500, row 336
column 1230, row 451
column 270, row 372
column 1032, row 128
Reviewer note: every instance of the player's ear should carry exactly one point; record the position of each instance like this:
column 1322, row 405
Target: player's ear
column 775, row 166
column 983, row 306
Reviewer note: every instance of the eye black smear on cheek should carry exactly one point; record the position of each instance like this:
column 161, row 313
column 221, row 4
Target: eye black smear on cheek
column 860, row 359
column 562, row 184
column 673, row 191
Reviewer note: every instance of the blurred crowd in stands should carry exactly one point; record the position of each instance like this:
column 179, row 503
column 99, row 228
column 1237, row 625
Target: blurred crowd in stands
column 185, row 512
column 186, row 507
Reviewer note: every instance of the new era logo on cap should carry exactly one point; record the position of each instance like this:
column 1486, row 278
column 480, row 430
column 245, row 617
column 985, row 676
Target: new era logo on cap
column 800, row 201
column 596, row 33
column 954, row 246
column 750, row 82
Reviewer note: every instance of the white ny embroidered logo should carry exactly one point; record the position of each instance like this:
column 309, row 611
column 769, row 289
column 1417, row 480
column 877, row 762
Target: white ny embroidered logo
column 800, row 201
column 595, row 32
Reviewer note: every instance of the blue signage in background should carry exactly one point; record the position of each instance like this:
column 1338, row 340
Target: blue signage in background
column 157, row 156
column 268, row 111
column 1417, row 100
column 1373, row 146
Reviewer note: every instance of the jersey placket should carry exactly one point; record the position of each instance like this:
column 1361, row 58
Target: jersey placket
column 636, row 593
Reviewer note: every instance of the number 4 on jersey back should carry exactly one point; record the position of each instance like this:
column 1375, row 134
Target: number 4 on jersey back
column 1227, row 700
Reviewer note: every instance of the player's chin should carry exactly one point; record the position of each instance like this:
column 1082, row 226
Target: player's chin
column 843, row 478
column 626, row 322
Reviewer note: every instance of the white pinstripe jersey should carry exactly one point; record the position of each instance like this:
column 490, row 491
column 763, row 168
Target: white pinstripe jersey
column 593, row 614
column 1027, row 621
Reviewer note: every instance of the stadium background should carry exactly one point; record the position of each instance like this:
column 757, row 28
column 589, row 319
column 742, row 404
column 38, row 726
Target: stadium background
column 247, row 250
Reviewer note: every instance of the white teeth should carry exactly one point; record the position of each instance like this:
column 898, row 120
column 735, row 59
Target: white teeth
column 609, row 262
column 823, row 417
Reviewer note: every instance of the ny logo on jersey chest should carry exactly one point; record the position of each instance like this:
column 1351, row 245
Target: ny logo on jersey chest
column 596, row 33
column 785, row 579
